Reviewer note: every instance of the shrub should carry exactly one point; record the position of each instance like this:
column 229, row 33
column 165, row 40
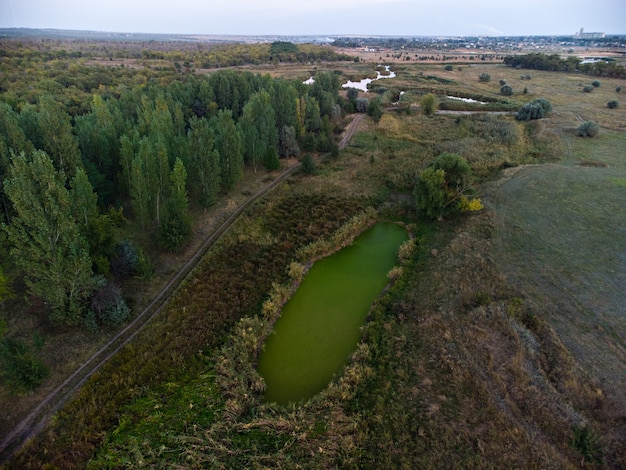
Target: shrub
column 595, row 83
column 502, row 82
column 361, row 105
column 175, row 230
column 536, row 109
column 588, row 443
column 374, row 111
column 428, row 103
column 442, row 184
column 525, row 90
column 588, row 129
column 22, row 370
column 484, row 77
column 107, row 308
column 308, row 165
column 352, row 94
column 528, row 76
column 612, row 104
column 506, row 90
column 618, row 89
column 588, row 88
column 448, row 68
column 126, row 260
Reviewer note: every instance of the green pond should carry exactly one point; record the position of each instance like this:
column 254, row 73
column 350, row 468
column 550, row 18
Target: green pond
column 320, row 325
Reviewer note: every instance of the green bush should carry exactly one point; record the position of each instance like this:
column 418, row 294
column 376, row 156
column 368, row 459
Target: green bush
column 361, row 104
column 618, row 89
column 429, row 104
column 175, row 230
column 484, row 77
column 588, row 88
column 126, row 260
column 441, row 185
column 308, row 165
column 595, row 83
column 536, row 109
column 506, row 90
column 448, row 68
column 588, row 444
column 588, row 129
column 374, row 110
column 21, row 369
column 612, row 104
column 107, row 308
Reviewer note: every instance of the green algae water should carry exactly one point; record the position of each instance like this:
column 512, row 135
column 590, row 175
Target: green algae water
column 320, row 325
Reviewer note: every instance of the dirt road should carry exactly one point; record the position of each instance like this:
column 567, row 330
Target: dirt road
column 350, row 131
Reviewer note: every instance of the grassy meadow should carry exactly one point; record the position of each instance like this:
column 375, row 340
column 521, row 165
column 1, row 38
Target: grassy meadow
column 488, row 351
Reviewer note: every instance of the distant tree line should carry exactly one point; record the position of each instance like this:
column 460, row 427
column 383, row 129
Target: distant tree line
column 192, row 54
column 554, row 63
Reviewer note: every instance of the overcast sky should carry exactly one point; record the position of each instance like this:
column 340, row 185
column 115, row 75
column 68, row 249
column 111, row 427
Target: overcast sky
column 321, row 17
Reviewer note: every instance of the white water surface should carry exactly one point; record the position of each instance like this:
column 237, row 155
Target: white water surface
column 360, row 85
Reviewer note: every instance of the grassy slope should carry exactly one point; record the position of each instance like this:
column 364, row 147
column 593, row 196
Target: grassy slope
column 459, row 367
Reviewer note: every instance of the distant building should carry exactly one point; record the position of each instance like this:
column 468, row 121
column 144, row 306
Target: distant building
column 582, row 35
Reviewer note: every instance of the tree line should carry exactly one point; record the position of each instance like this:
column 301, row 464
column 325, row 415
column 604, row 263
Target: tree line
column 142, row 155
column 554, row 63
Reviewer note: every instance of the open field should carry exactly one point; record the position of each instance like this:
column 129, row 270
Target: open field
column 561, row 235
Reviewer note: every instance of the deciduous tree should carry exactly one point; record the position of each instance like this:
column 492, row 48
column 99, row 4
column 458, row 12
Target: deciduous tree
column 175, row 225
column 203, row 162
column 442, row 185
column 57, row 138
column 229, row 146
column 258, row 129
column 428, row 103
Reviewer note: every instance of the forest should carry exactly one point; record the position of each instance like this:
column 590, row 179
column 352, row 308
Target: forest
column 87, row 151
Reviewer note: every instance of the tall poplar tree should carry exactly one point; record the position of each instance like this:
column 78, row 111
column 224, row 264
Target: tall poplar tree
column 46, row 242
column 229, row 146
column 203, row 162
column 258, row 128
column 175, row 225
column 99, row 140
column 58, row 141
column 12, row 140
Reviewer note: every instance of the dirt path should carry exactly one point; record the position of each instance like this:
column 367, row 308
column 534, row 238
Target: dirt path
column 350, row 131
column 39, row 416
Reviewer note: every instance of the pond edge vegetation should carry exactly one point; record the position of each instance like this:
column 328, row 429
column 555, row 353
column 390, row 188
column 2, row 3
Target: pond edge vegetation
column 245, row 343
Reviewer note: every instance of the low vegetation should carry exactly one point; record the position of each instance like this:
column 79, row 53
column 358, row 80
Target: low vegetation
column 536, row 109
column 588, row 129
